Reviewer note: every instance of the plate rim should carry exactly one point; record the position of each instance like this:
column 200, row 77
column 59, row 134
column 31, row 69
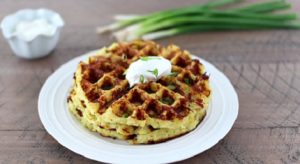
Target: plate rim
column 221, row 134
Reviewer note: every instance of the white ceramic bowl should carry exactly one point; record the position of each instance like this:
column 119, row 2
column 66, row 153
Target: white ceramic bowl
column 39, row 46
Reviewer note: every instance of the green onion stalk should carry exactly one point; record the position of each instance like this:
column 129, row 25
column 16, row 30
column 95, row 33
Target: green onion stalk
column 125, row 17
column 203, row 17
column 245, row 13
column 198, row 28
column 137, row 31
column 137, row 18
column 261, row 7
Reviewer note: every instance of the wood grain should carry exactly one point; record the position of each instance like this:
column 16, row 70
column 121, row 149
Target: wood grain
column 263, row 66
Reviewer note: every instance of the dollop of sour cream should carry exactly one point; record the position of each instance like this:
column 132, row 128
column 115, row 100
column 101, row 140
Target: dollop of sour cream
column 148, row 69
column 30, row 29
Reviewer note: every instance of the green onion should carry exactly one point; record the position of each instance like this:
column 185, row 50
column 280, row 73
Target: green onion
column 235, row 14
column 223, row 27
column 135, row 19
column 125, row 115
column 229, row 13
column 129, row 88
column 108, row 104
column 187, row 81
column 107, row 88
column 162, row 101
column 168, row 100
column 172, row 87
column 149, row 58
column 263, row 7
column 126, row 71
column 203, row 17
column 142, row 79
column 153, row 115
column 214, row 21
column 155, row 72
column 124, row 57
column 256, row 5
column 159, row 15
column 173, row 74
column 197, row 28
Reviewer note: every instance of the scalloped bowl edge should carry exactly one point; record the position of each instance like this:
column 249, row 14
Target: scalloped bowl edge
column 41, row 45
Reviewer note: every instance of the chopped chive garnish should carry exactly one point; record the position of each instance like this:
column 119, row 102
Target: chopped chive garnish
column 117, row 76
column 162, row 101
column 173, row 74
column 107, row 88
column 128, row 88
column 172, row 87
column 148, row 58
column 125, row 115
column 167, row 99
column 142, row 79
column 153, row 115
column 108, row 104
column 125, row 72
column 155, row 72
column 187, row 81
column 170, row 82
column 124, row 57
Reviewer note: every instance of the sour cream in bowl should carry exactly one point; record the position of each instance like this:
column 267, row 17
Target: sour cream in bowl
column 28, row 30
column 32, row 33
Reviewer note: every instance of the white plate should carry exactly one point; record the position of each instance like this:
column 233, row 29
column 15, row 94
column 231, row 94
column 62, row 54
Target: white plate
column 68, row 131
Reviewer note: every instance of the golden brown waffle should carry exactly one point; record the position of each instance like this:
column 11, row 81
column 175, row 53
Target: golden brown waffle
column 147, row 113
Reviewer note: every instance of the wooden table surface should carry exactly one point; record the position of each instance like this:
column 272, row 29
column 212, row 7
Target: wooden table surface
column 263, row 66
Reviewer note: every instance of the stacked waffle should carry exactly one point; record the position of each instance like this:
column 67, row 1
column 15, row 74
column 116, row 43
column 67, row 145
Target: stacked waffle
column 146, row 113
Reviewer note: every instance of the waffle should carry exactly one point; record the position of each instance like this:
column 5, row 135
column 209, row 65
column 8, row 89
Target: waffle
column 146, row 113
